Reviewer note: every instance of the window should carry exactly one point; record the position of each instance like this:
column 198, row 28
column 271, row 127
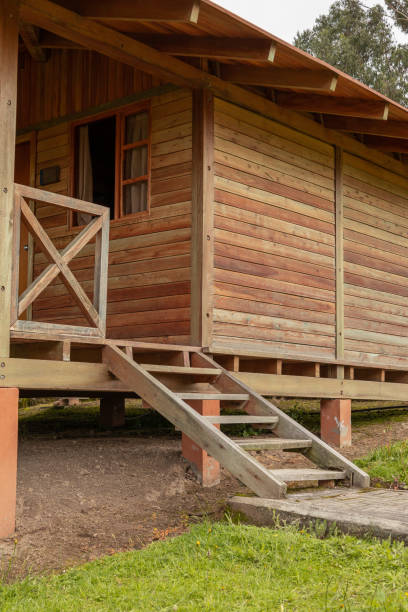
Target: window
column 112, row 163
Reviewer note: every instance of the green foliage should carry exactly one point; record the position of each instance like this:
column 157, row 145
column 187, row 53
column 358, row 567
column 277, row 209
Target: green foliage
column 399, row 12
column 230, row 567
column 360, row 42
column 388, row 463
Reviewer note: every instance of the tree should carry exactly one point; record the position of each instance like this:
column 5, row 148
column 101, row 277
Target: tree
column 360, row 42
column 399, row 12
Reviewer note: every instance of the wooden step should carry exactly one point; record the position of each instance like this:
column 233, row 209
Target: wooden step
column 242, row 418
column 231, row 397
column 306, row 474
column 273, row 444
column 169, row 369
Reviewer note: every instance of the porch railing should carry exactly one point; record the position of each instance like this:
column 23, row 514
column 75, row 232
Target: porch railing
column 98, row 229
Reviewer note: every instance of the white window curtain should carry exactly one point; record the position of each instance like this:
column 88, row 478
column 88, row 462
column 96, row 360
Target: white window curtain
column 84, row 174
column 135, row 195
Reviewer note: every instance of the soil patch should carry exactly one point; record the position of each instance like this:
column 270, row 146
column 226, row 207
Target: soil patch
column 85, row 497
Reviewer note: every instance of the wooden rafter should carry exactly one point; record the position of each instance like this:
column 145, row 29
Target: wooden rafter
column 218, row 48
column 395, row 129
column 29, row 34
column 351, row 107
column 179, row 11
column 389, row 145
column 102, row 39
column 257, row 49
column 316, row 80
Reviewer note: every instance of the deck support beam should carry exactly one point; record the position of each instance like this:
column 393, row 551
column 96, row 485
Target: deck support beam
column 335, row 422
column 205, row 467
column 112, row 411
column 8, row 103
column 8, row 460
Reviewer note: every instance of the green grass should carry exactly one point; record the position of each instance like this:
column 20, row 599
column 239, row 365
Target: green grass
column 226, row 567
column 387, row 463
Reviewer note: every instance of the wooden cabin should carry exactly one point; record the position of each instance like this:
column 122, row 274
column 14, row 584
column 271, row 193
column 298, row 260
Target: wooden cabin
column 187, row 186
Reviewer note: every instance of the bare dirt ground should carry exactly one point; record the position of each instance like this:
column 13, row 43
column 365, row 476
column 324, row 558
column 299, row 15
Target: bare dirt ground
column 86, row 497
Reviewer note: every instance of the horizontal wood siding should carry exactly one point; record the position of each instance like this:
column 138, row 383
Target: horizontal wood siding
column 274, row 236
column 375, row 263
column 71, row 81
column 149, row 262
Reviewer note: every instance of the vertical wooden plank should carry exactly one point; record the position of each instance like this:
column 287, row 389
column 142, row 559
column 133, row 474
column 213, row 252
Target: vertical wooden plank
column 339, row 254
column 15, row 264
column 8, row 97
column 202, row 247
column 101, row 272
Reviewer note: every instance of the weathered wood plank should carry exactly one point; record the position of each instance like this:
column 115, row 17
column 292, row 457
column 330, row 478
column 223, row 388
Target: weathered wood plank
column 8, row 106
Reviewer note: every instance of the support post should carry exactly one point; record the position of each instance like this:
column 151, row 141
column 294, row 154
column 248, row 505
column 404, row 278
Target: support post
column 202, row 249
column 339, row 258
column 335, row 421
column 8, row 460
column 112, row 411
column 206, row 468
column 8, row 98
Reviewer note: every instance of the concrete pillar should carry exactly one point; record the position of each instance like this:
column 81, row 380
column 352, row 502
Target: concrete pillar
column 8, row 460
column 335, row 421
column 206, row 468
column 112, row 411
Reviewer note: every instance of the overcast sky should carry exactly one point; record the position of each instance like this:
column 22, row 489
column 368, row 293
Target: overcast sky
column 285, row 17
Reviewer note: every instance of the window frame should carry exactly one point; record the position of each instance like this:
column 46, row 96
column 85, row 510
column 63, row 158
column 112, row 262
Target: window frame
column 120, row 148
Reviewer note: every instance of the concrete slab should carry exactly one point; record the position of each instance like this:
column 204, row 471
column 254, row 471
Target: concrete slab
column 363, row 512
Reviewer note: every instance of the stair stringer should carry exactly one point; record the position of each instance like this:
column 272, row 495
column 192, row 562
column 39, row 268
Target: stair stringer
column 249, row 471
column 319, row 453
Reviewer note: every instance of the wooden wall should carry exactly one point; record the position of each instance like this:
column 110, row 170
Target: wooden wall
column 149, row 272
column 72, row 81
column 274, row 237
column 375, row 262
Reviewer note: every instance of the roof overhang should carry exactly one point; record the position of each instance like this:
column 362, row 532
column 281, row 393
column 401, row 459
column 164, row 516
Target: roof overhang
column 201, row 45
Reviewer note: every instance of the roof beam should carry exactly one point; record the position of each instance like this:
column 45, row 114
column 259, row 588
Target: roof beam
column 347, row 107
column 395, row 129
column 93, row 35
column 259, row 49
column 316, row 80
column 179, row 11
column 29, row 34
column 388, row 145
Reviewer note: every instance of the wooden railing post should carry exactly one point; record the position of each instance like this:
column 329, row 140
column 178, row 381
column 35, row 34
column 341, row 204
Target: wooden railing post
column 8, row 98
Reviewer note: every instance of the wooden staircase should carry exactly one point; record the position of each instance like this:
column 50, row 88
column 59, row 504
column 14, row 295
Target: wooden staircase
column 175, row 376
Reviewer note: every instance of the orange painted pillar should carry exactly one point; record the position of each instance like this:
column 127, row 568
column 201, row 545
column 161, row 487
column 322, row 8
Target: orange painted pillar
column 8, row 460
column 335, row 421
column 206, row 468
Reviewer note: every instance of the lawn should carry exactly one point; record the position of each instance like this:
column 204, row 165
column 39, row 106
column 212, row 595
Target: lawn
column 388, row 464
column 229, row 567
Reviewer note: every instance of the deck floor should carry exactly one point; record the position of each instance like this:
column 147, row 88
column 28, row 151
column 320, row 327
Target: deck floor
column 376, row 512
